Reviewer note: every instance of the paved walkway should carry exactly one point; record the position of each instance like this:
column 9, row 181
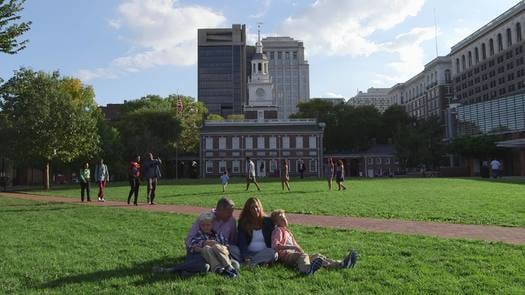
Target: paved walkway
column 510, row 235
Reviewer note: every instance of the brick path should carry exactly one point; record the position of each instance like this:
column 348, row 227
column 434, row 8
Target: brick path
column 510, row 235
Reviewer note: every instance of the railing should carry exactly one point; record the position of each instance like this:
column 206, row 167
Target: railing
column 266, row 121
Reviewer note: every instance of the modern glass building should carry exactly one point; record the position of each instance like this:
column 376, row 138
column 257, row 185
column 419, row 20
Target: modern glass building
column 222, row 69
column 501, row 115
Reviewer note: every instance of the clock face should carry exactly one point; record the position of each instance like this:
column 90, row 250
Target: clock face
column 260, row 92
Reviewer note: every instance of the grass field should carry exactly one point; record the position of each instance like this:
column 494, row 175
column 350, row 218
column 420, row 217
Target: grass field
column 73, row 249
column 467, row 201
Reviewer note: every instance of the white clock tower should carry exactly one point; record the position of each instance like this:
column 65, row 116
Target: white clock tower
column 260, row 87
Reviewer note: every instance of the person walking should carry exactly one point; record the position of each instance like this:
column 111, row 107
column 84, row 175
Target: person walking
column 495, row 166
column 285, row 178
column 340, row 175
column 329, row 172
column 250, row 178
column 102, row 178
column 151, row 172
column 85, row 178
column 301, row 168
column 134, row 179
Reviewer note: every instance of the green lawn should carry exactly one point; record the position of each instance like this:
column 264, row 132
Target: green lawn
column 72, row 249
column 467, row 201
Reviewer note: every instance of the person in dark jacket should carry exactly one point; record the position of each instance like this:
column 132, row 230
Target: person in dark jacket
column 151, row 171
column 134, row 179
column 255, row 234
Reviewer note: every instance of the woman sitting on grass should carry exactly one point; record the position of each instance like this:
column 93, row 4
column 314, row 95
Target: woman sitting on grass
column 255, row 234
column 291, row 254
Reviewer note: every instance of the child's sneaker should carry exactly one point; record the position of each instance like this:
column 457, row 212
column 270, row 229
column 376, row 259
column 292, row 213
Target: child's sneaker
column 315, row 266
column 350, row 259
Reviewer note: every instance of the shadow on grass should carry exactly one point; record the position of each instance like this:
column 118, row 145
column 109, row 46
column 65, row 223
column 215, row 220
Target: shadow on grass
column 142, row 270
column 38, row 209
column 499, row 180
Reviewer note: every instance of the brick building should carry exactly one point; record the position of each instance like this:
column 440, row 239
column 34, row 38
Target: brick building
column 226, row 144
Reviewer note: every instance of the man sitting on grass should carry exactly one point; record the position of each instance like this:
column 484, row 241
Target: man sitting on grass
column 291, row 254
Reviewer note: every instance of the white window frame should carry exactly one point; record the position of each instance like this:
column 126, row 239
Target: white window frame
column 222, row 166
column 273, row 142
column 299, row 141
column 248, row 142
column 222, row 143
column 370, row 161
column 286, row 142
column 313, row 165
column 209, row 166
column 312, row 142
column 235, row 143
column 209, row 143
column 387, row 161
column 236, row 166
column 260, row 142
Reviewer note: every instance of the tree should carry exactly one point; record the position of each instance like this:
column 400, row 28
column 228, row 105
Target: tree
column 55, row 118
column 10, row 28
column 149, row 131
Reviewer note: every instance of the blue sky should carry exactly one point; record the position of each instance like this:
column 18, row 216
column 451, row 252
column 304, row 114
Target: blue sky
column 127, row 49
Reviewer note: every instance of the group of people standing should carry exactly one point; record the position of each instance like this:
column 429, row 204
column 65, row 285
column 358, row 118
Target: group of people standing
column 149, row 170
column 214, row 243
column 101, row 177
column 337, row 171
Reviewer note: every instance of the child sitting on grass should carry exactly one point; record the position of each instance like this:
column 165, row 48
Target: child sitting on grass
column 291, row 254
column 224, row 180
column 213, row 247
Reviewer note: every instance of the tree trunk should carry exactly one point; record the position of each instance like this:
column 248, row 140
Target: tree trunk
column 46, row 176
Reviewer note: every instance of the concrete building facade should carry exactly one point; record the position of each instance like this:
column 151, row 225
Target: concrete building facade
column 377, row 97
column 289, row 71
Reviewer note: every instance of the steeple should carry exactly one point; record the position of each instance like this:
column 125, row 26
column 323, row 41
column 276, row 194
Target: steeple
column 258, row 45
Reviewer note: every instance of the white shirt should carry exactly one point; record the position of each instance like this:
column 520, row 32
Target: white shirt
column 257, row 244
column 251, row 168
column 495, row 165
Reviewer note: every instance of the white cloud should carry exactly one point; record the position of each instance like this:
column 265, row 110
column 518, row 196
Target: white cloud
column 335, row 27
column 162, row 32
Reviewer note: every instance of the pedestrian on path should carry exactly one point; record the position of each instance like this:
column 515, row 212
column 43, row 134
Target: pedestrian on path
column 102, row 178
column 495, row 166
column 285, row 177
column 134, row 179
column 85, row 178
column 250, row 178
column 151, row 169
column 329, row 172
column 340, row 175
column 224, row 180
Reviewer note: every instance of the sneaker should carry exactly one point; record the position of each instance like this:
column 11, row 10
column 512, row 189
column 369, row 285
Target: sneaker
column 158, row 269
column 350, row 259
column 236, row 264
column 315, row 266
column 229, row 273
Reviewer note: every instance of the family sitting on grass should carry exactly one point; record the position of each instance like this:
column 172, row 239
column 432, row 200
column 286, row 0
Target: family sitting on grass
column 215, row 244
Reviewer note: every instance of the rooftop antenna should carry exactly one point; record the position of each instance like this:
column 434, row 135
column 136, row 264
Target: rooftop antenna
column 436, row 32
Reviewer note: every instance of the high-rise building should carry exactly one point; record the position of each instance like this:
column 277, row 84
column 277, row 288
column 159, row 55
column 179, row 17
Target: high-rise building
column 289, row 71
column 222, row 69
column 376, row 97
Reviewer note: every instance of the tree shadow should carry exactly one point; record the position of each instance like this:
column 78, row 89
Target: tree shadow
column 143, row 270
column 37, row 209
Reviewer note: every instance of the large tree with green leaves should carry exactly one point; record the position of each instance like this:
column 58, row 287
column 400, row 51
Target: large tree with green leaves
column 10, row 26
column 54, row 118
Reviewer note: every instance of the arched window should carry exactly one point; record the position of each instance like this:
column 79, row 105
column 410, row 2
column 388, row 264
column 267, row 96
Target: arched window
column 476, row 55
column 457, row 65
column 259, row 67
column 518, row 32
column 463, row 63
column 509, row 38
column 491, row 47
column 469, row 59
column 483, row 51
column 500, row 43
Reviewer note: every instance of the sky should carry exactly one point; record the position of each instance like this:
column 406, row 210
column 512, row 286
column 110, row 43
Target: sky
column 127, row 49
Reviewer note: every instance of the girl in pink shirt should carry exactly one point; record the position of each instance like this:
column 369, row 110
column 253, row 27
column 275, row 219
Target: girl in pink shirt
column 291, row 254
